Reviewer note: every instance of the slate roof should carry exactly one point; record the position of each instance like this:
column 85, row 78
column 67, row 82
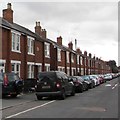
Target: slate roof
column 23, row 30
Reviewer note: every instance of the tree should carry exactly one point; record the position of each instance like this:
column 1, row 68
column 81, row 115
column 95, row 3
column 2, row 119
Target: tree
column 112, row 64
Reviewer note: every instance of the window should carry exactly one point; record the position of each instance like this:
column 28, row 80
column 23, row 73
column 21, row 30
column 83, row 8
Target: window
column 47, row 50
column 78, row 59
column 81, row 60
column 2, row 65
column 40, row 68
column 73, row 71
column 16, row 66
column 60, row 68
column 82, row 71
column 15, row 41
column 85, row 61
column 30, row 71
column 30, row 44
column 59, row 54
column 67, row 57
column 68, row 71
column 72, row 58
column 47, row 67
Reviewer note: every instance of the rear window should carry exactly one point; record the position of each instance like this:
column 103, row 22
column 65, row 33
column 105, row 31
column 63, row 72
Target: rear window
column 85, row 77
column 1, row 77
column 50, row 75
column 12, row 77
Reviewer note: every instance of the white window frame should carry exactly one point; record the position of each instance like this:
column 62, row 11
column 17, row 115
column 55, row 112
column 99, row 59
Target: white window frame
column 72, row 58
column 68, row 70
column 68, row 59
column 81, row 60
column 2, row 65
column 85, row 61
column 60, row 68
column 39, row 66
column 47, row 67
column 78, row 58
column 30, row 45
column 15, row 64
column 82, row 71
column 59, row 54
column 15, row 41
column 73, row 71
column 47, row 49
column 30, row 72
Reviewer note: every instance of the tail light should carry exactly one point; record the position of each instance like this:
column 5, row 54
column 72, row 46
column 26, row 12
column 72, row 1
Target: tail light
column 5, row 80
column 57, row 85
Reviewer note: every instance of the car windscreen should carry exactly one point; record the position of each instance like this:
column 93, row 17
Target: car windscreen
column 50, row 75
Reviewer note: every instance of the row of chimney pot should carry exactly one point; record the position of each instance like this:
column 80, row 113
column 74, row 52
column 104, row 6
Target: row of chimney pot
column 8, row 15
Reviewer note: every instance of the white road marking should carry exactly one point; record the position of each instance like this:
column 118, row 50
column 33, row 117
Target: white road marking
column 114, row 86
column 108, row 85
column 30, row 109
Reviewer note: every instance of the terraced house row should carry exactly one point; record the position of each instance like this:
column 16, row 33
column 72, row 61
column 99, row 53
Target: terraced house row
column 27, row 53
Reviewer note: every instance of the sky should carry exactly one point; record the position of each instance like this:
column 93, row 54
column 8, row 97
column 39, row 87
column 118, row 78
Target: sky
column 93, row 23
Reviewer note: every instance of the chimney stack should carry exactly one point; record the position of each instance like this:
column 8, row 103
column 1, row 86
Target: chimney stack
column 85, row 53
column 78, row 50
column 43, row 33
column 59, row 40
column 90, row 55
column 8, row 13
column 38, row 28
column 70, row 45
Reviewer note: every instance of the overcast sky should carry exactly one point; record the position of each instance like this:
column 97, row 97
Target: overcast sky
column 93, row 24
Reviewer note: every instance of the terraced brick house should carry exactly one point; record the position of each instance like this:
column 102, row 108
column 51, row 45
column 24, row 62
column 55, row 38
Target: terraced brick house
column 27, row 53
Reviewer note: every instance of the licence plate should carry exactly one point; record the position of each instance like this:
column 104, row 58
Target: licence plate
column 45, row 87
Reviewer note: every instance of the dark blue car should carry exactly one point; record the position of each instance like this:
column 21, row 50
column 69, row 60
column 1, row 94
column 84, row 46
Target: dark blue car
column 11, row 84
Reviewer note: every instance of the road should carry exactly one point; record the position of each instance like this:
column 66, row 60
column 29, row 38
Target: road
column 99, row 102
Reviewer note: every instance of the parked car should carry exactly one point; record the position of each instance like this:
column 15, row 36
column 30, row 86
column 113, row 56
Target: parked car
column 95, row 78
column 108, row 77
column 89, row 81
column 11, row 84
column 54, row 83
column 80, row 84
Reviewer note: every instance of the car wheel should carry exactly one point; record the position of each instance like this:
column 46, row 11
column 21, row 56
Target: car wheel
column 63, row 96
column 81, row 89
column 91, row 86
column 73, row 92
column 39, row 97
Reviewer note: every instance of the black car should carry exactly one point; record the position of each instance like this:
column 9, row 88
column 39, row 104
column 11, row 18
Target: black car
column 80, row 84
column 54, row 83
column 89, row 81
column 11, row 84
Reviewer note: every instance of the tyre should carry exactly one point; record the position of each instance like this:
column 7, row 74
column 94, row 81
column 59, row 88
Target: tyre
column 81, row 89
column 73, row 92
column 39, row 97
column 63, row 95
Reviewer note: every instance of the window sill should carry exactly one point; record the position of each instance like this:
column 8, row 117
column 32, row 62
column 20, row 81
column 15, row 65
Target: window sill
column 16, row 51
column 47, row 56
column 31, row 54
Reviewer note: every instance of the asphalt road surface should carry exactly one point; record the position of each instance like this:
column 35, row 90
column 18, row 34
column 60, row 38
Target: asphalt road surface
column 99, row 102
